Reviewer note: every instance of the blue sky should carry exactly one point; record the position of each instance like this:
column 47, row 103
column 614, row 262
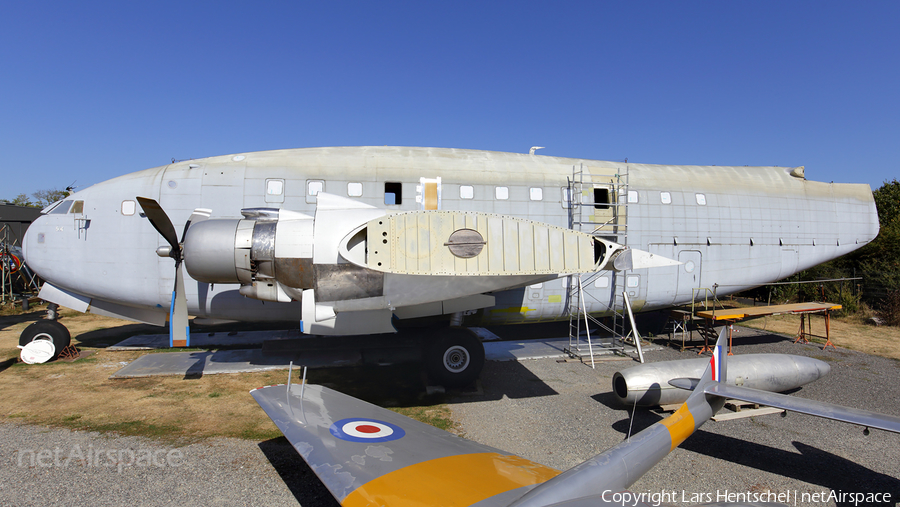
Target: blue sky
column 92, row 90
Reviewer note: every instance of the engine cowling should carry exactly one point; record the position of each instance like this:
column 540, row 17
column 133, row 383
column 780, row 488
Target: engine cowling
column 269, row 252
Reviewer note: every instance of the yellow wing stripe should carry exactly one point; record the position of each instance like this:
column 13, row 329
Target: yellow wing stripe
column 680, row 425
column 457, row 481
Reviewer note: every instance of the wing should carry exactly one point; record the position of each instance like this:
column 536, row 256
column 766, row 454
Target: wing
column 816, row 408
column 366, row 455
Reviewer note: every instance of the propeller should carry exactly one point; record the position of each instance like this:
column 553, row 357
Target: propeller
column 179, row 330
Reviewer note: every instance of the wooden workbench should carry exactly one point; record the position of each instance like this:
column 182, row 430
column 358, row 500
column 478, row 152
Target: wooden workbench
column 732, row 315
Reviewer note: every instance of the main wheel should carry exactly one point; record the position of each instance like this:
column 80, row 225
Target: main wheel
column 47, row 330
column 455, row 358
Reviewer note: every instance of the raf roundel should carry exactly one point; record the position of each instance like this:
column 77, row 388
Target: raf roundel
column 366, row 430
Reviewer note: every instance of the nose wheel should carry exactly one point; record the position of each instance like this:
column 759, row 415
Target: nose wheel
column 455, row 357
column 50, row 330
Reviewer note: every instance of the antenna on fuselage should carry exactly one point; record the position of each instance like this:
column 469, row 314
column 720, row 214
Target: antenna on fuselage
column 531, row 151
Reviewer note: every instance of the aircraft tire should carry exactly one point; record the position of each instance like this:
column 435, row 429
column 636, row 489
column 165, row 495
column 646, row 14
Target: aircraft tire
column 47, row 330
column 455, row 358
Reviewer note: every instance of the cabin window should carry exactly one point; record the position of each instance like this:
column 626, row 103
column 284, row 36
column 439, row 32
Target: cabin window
column 566, row 197
column 632, row 197
column 536, row 286
column 633, row 281
column 274, row 190
column 274, row 187
column 354, row 189
column 536, row 193
column 466, row 192
column 602, row 282
column 393, row 193
column 501, row 193
column 601, row 198
column 128, row 208
column 701, row 199
column 313, row 187
column 665, row 198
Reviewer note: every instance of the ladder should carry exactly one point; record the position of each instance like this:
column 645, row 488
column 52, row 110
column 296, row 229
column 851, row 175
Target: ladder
column 597, row 204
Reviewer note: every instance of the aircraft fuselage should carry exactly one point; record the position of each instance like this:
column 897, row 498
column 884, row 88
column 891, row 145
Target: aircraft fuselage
column 730, row 227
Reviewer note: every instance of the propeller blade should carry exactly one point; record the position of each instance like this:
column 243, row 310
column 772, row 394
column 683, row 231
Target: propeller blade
column 179, row 329
column 160, row 221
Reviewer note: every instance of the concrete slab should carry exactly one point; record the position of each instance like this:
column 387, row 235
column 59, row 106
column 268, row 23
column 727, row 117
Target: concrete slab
column 229, row 361
column 204, row 340
column 542, row 348
column 246, row 360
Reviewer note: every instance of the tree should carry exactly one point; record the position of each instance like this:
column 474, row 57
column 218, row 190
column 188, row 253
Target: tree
column 880, row 259
column 22, row 200
column 46, row 197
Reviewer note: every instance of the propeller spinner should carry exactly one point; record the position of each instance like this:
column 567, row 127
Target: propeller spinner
column 179, row 330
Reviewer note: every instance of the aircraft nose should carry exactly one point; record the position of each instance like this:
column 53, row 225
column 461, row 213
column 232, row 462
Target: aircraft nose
column 33, row 246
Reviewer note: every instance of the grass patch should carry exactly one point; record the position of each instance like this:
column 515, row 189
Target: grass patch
column 437, row 416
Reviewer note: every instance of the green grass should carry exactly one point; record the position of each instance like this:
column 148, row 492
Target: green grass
column 437, row 415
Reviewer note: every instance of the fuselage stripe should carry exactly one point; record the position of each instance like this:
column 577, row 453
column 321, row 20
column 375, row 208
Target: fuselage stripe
column 680, row 425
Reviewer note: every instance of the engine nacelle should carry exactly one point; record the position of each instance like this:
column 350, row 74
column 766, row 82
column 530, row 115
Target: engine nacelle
column 269, row 252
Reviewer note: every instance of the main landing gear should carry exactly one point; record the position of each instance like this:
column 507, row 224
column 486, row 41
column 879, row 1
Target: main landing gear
column 47, row 329
column 455, row 357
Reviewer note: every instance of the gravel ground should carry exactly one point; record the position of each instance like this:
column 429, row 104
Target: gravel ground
column 557, row 414
column 560, row 414
column 87, row 468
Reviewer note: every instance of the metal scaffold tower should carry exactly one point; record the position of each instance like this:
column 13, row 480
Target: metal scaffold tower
column 13, row 272
column 598, row 205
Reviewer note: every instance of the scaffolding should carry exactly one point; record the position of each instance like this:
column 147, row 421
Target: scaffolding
column 598, row 205
column 13, row 272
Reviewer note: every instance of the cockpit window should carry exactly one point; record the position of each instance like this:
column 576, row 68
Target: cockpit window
column 78, row 207
column 59, row 208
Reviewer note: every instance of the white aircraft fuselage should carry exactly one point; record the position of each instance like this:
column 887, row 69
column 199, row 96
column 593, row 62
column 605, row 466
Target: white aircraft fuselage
column 731, row 228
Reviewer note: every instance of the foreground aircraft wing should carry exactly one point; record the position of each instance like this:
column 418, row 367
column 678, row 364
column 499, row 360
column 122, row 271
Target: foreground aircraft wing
column 367, row 455
column 816, row 408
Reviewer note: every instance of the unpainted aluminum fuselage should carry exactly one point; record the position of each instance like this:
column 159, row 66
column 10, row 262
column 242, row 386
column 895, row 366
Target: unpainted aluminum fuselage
column 731, row 227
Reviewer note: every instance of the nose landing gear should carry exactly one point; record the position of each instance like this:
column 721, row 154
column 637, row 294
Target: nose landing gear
column 48, row 329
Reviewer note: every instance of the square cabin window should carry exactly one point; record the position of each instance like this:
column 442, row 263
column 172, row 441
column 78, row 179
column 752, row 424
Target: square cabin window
column 665, row 198
column 536, row 193
column 313, row 187
column 274, row 187
column 393, row 193
column 354, row 189
column 701, row 199
column 466, row 192
column 501, row 193
column 128, row 208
